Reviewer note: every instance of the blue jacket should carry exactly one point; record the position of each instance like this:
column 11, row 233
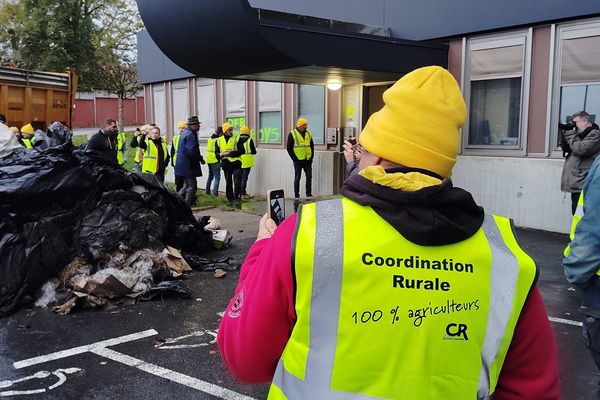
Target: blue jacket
column 584, row 259
column 188, row 155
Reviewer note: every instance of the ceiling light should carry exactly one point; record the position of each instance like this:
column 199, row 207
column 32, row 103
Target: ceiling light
column 334, row 86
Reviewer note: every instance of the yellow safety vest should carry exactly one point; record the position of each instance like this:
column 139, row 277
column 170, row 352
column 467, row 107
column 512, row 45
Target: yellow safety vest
column 121, row 138
column 211, row 157
column 28, row 142
column 302, row 144
column 247, row 157
column 175, row 147
column 139, row 151
column 379, row 317
column 230, row 145
column 150, row 158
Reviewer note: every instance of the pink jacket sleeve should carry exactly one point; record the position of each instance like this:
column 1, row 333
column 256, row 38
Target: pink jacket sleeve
column 259, row 319
column 530, row 370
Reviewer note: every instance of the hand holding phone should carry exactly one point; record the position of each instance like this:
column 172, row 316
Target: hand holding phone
column 276, row 205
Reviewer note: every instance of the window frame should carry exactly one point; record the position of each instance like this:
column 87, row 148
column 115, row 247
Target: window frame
column 226, row 114
column 204, row 82
column 318, row 146
column 521, row 37
column 283, row 142
column 571, row 30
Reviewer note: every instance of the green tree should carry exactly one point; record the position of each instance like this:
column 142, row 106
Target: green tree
column 53, row 35
column 11, row 20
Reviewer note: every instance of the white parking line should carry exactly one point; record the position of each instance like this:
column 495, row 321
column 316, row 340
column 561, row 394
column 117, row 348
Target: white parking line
column 100, row 348
column 565, row 321
column 83, row 349
column 182, row 379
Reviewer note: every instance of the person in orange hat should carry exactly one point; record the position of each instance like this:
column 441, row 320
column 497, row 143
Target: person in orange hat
column 403, row 288
column 301, row 149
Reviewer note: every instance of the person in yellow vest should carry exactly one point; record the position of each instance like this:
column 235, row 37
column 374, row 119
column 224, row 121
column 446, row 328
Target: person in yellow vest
column 229, row 151
column 155, row 159
column 248, row 156
column 121, row 147
column 135, row 144
column 181, row 125
column 403, row 288
column 582, row 258
column 301, row 149
column 214, row 164
column 27, row 139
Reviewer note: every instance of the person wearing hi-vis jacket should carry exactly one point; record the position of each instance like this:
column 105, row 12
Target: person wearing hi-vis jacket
column 301, row 149
column 403, row 288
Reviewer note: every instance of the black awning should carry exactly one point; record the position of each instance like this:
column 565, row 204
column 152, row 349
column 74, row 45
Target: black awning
column 229, row 39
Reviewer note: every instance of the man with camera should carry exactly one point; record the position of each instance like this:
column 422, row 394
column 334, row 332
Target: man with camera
column 580, row 142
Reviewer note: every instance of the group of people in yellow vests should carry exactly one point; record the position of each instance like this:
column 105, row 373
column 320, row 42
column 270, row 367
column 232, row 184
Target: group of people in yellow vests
column 234, row 155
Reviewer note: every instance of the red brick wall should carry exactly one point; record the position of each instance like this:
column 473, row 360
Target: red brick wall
column 83, row 113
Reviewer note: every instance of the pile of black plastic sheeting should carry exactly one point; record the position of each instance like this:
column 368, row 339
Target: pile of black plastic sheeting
column 58, row 202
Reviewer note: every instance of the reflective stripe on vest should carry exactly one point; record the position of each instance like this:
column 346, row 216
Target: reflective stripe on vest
column 315, row 354
column 230, row 145
column 247, row 157
column 302, row 148
column 211, row 157
column 121, row 138
column 150, row 159
column 175, row 147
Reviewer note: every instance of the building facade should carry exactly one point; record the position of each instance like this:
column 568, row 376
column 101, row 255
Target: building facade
column 522, row 69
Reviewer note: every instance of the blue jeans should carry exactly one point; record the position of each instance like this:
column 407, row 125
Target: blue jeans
column 214, row 172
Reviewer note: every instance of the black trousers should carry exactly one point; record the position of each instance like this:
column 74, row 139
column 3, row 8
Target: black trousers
column 305, row 165
column 233, row 183
column 574, row 201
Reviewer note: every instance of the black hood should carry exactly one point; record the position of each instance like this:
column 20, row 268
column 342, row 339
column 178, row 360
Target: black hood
column 433, row 216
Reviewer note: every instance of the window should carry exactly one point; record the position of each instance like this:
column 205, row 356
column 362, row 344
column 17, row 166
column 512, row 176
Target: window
column 181, row 109
column 311, row 105
column 235, row 104
column 269, row 113
column 577, row 76
column 496, row 88
column 160, row 106
column 205, row 94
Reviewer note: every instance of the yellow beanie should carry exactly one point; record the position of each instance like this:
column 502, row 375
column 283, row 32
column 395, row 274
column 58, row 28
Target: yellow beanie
column 301, row 121
column 419, row 124
column 226, row 126
column 181, row 124
column 244, row 130
column 27, row 129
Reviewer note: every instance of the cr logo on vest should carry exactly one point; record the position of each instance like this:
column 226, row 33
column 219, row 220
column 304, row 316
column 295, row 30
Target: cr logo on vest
column 456, row 332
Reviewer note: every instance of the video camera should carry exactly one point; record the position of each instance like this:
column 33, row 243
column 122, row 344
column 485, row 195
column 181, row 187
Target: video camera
column 564, row 145
column 569, row 126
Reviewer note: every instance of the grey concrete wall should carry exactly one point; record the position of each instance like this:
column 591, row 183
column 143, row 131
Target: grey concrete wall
column 274, row 170
column 524, row 189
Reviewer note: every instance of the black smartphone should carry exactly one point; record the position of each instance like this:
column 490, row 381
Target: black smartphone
column 276, row 205
column 352, row 141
